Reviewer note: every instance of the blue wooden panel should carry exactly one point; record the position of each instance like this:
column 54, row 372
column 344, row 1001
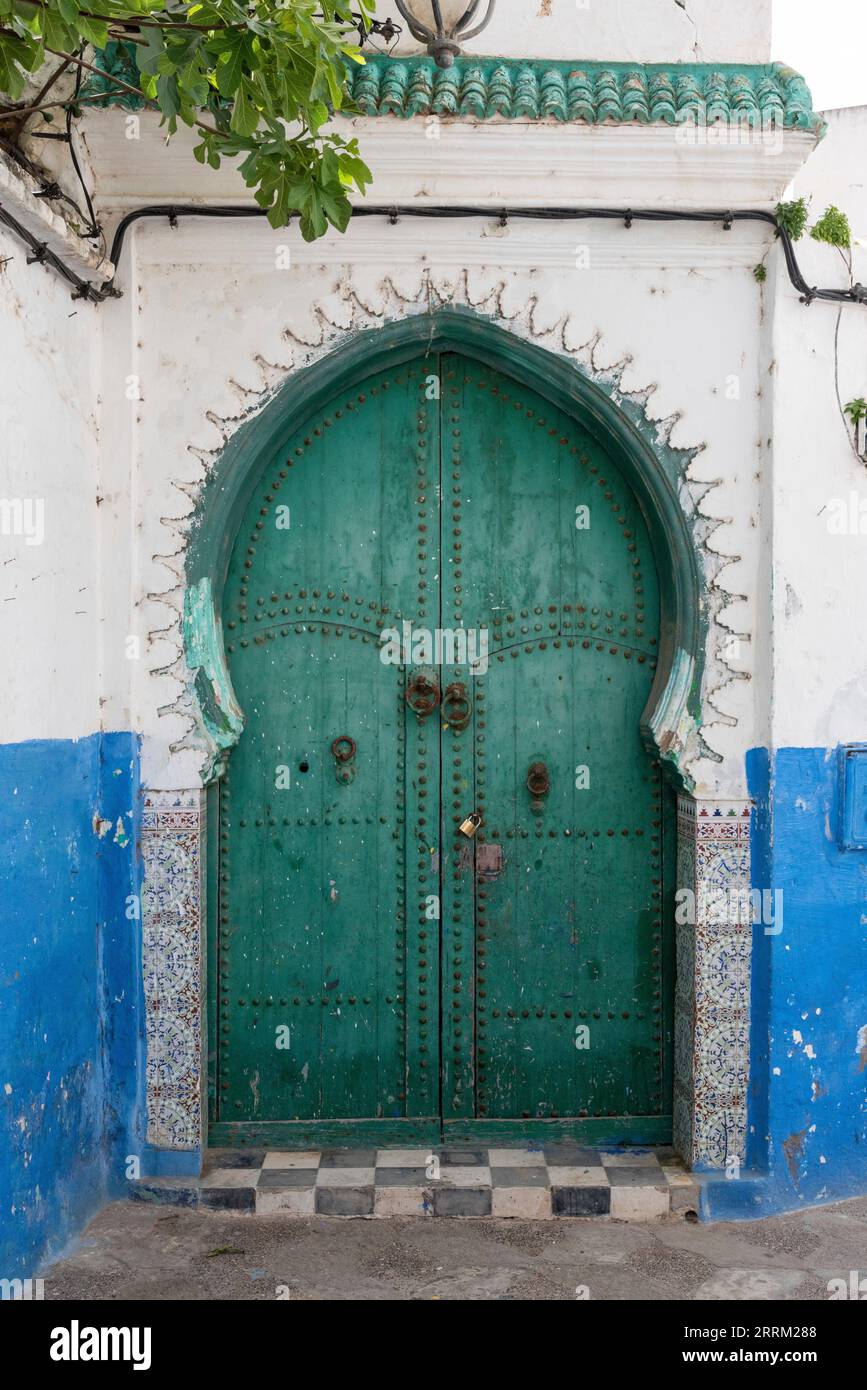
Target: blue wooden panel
column 852, row 833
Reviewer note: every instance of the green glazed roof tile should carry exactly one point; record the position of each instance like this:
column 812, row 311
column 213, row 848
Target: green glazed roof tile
column 544, row 90
column 588, row 93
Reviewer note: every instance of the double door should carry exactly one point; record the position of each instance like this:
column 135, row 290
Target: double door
column 442, row 851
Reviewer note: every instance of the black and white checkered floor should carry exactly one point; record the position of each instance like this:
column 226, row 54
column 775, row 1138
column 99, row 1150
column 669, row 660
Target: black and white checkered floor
column 535, row 1183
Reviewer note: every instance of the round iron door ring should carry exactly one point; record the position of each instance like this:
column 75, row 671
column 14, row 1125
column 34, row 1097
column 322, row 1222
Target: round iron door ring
column 457, row 706
column 423, row 695
column 344, row 749
column 538, row 784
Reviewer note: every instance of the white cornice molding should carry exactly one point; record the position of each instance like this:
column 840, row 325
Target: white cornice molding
column 486, row 163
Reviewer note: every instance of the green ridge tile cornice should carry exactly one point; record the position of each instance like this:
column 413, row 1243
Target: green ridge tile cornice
column 578, row 93
column 585, row 93
column 117, row 59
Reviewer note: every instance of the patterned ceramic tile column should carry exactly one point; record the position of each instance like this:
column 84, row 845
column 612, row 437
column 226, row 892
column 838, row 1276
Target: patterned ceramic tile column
column 714, row 946
column 173, row 827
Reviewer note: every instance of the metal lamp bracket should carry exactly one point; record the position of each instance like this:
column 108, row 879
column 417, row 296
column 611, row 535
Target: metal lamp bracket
column 444, row 44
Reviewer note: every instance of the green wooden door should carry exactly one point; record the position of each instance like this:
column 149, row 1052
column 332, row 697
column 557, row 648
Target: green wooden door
column 376, row 971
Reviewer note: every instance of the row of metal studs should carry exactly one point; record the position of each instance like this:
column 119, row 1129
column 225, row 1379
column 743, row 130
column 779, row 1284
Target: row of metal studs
column 270, row 634
column 388, row 619
column 461, row 1037
column 425, row 444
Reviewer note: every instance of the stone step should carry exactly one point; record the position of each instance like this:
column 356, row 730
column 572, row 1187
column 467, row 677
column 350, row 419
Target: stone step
column 535, row 1183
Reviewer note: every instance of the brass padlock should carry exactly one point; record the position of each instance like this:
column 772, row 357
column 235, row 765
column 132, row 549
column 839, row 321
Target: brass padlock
column 471, row 825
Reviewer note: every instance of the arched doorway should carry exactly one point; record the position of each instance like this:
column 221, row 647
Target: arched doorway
column 444, row 600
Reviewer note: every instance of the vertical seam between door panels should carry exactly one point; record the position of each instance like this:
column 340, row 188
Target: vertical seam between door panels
column 441, row 816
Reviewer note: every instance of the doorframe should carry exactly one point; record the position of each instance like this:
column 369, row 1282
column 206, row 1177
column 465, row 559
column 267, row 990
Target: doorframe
column 711, row 1043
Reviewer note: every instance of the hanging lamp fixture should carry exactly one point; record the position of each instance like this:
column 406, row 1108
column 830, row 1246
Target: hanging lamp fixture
column 443, row 25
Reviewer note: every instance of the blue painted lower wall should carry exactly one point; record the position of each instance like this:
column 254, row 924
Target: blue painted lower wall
column 71, row 1010
column 808, row 1056
column 71, row 1030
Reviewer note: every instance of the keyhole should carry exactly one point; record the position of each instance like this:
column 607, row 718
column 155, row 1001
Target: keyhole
column 303, row 767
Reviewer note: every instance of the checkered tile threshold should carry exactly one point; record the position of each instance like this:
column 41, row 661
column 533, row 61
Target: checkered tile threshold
column 557, row 1180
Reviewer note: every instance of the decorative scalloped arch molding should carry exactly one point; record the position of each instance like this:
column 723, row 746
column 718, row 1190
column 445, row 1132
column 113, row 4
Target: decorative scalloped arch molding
column 654, row 469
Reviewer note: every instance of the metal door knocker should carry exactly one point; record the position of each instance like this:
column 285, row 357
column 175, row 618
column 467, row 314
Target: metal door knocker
column 538, row 784
column 344, row 749
column 423, row 694
column 457, row 706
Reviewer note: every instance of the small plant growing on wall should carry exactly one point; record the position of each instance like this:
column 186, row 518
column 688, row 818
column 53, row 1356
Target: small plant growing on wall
column 833, row 228
column 792, row 217
column 856, row 410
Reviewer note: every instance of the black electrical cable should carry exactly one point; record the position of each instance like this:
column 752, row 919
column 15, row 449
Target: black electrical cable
column 47, row 189
column 43, row 255
column 856, row 294
column 95, row 230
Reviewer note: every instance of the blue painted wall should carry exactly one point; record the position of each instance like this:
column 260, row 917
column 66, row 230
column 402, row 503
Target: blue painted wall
column 808, row 1064
column 71, row 1034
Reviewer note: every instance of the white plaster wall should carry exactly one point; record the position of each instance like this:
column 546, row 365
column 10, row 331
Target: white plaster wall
column 820, row 578
column 647, row 31
column 50, row 593
column 209, row 326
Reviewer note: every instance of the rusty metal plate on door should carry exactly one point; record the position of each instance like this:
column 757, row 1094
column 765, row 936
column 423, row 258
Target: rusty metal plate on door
column 489, row 861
